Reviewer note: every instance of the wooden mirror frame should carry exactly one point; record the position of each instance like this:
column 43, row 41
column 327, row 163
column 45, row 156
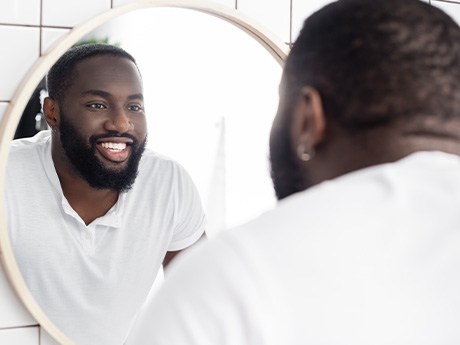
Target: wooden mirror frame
column 28, row 84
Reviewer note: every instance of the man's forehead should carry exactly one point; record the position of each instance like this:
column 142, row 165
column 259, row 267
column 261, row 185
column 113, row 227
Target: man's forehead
column 107, row 71
column 107, row 64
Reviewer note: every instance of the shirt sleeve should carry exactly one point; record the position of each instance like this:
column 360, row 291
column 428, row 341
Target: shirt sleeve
column 190, row 220
column 209, row 297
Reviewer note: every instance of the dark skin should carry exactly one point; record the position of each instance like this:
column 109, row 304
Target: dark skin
column 337, row 152
column 105, row 95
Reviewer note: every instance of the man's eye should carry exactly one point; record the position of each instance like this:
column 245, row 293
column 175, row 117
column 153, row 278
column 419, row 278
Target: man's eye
column 96, row 106
column 135, row 107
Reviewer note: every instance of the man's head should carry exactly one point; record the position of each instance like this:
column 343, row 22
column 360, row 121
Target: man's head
column 366, row 82
column 96, row 111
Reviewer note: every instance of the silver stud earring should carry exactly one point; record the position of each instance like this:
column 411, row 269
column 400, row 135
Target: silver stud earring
column 304, row 155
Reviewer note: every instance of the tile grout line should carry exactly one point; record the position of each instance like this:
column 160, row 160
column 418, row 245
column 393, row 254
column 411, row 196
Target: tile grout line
column 18, row 327
column 40, row 42
column 37, row 26
column 448, row 1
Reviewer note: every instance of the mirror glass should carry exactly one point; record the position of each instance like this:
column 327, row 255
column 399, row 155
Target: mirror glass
column 211, row 92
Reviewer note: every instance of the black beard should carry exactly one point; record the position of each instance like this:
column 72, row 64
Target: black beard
column 287, row 174
column 83, row 157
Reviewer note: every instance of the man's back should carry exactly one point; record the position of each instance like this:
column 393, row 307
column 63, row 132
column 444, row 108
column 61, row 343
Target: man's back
column 370, row 257
column 365, row 148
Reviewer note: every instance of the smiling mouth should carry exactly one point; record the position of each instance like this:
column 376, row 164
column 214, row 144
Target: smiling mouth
column 114, row 150
column 114, row 147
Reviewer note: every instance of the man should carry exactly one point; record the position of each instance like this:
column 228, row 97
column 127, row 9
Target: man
column 92, row 216
column 364, row 246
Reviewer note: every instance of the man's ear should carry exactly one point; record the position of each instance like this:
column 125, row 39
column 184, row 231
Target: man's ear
column 309, row 122
column 51, row 112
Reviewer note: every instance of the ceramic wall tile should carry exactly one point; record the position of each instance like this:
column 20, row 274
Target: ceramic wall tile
column 50, row 36
column 275, row 15
column 229, row 3
column 13, row 313
column 450, row 8
column 20, row 12
column 21, row 46
column 20, row 336
column 72, row 12
column 301, row 10
column 3, row 106
column 117, row 3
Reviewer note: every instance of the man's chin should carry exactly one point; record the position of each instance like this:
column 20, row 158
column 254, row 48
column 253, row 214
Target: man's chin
column 114, row 167
column 117, row 181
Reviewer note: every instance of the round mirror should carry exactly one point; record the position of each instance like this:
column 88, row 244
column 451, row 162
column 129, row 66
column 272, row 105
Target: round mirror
column 211, row 89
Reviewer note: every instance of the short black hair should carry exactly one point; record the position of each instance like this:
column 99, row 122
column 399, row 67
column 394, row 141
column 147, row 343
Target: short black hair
column 376, row 61
column 60, row 76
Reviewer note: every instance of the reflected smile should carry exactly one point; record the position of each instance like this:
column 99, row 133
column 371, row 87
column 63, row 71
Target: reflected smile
column 114, row 149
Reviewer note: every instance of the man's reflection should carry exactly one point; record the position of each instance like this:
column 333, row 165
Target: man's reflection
column 92, row 214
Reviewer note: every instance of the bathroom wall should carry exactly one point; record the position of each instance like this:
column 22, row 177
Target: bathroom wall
column 27, row 30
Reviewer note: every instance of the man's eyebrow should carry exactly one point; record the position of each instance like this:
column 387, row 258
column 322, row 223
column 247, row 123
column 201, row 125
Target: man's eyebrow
column 136, row 96
column 100, row 93
column 105, row 94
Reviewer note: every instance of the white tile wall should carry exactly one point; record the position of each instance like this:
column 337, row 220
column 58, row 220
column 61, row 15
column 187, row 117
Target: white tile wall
column 450, row 8
column 229, row 3
column 3, row 106
column 70, row 12
column 273, row 14
column 50, row 36
column 302, row 9
column 20, row 12
column 19, row 336
column 16, row 57
column 12, row 312
column 116, row 3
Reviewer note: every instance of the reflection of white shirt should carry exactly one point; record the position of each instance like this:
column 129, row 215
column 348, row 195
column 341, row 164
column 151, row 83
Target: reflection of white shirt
column 372, row 257
column 91, row 280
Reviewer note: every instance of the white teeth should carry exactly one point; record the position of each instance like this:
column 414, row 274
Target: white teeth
column 117, row 147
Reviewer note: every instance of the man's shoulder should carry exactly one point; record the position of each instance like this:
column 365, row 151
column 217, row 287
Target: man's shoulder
column 356, row 200
column 28, row 151
column 28, row 161
column 36, row 142
column 154, row 162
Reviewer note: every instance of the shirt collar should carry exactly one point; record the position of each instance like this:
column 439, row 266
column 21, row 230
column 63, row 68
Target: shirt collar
column 111, row 219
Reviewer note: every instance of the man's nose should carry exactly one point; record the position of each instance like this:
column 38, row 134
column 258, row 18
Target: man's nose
column 119, row 121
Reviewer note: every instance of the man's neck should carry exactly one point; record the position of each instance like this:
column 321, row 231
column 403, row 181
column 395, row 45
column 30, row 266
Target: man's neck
column 349, row 155
column 89, row 202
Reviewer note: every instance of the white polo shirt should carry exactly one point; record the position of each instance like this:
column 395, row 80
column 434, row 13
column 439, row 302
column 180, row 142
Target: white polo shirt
column 372, row 257
column 92, row 279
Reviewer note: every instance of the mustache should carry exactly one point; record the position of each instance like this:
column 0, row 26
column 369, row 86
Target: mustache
column 112, row 134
